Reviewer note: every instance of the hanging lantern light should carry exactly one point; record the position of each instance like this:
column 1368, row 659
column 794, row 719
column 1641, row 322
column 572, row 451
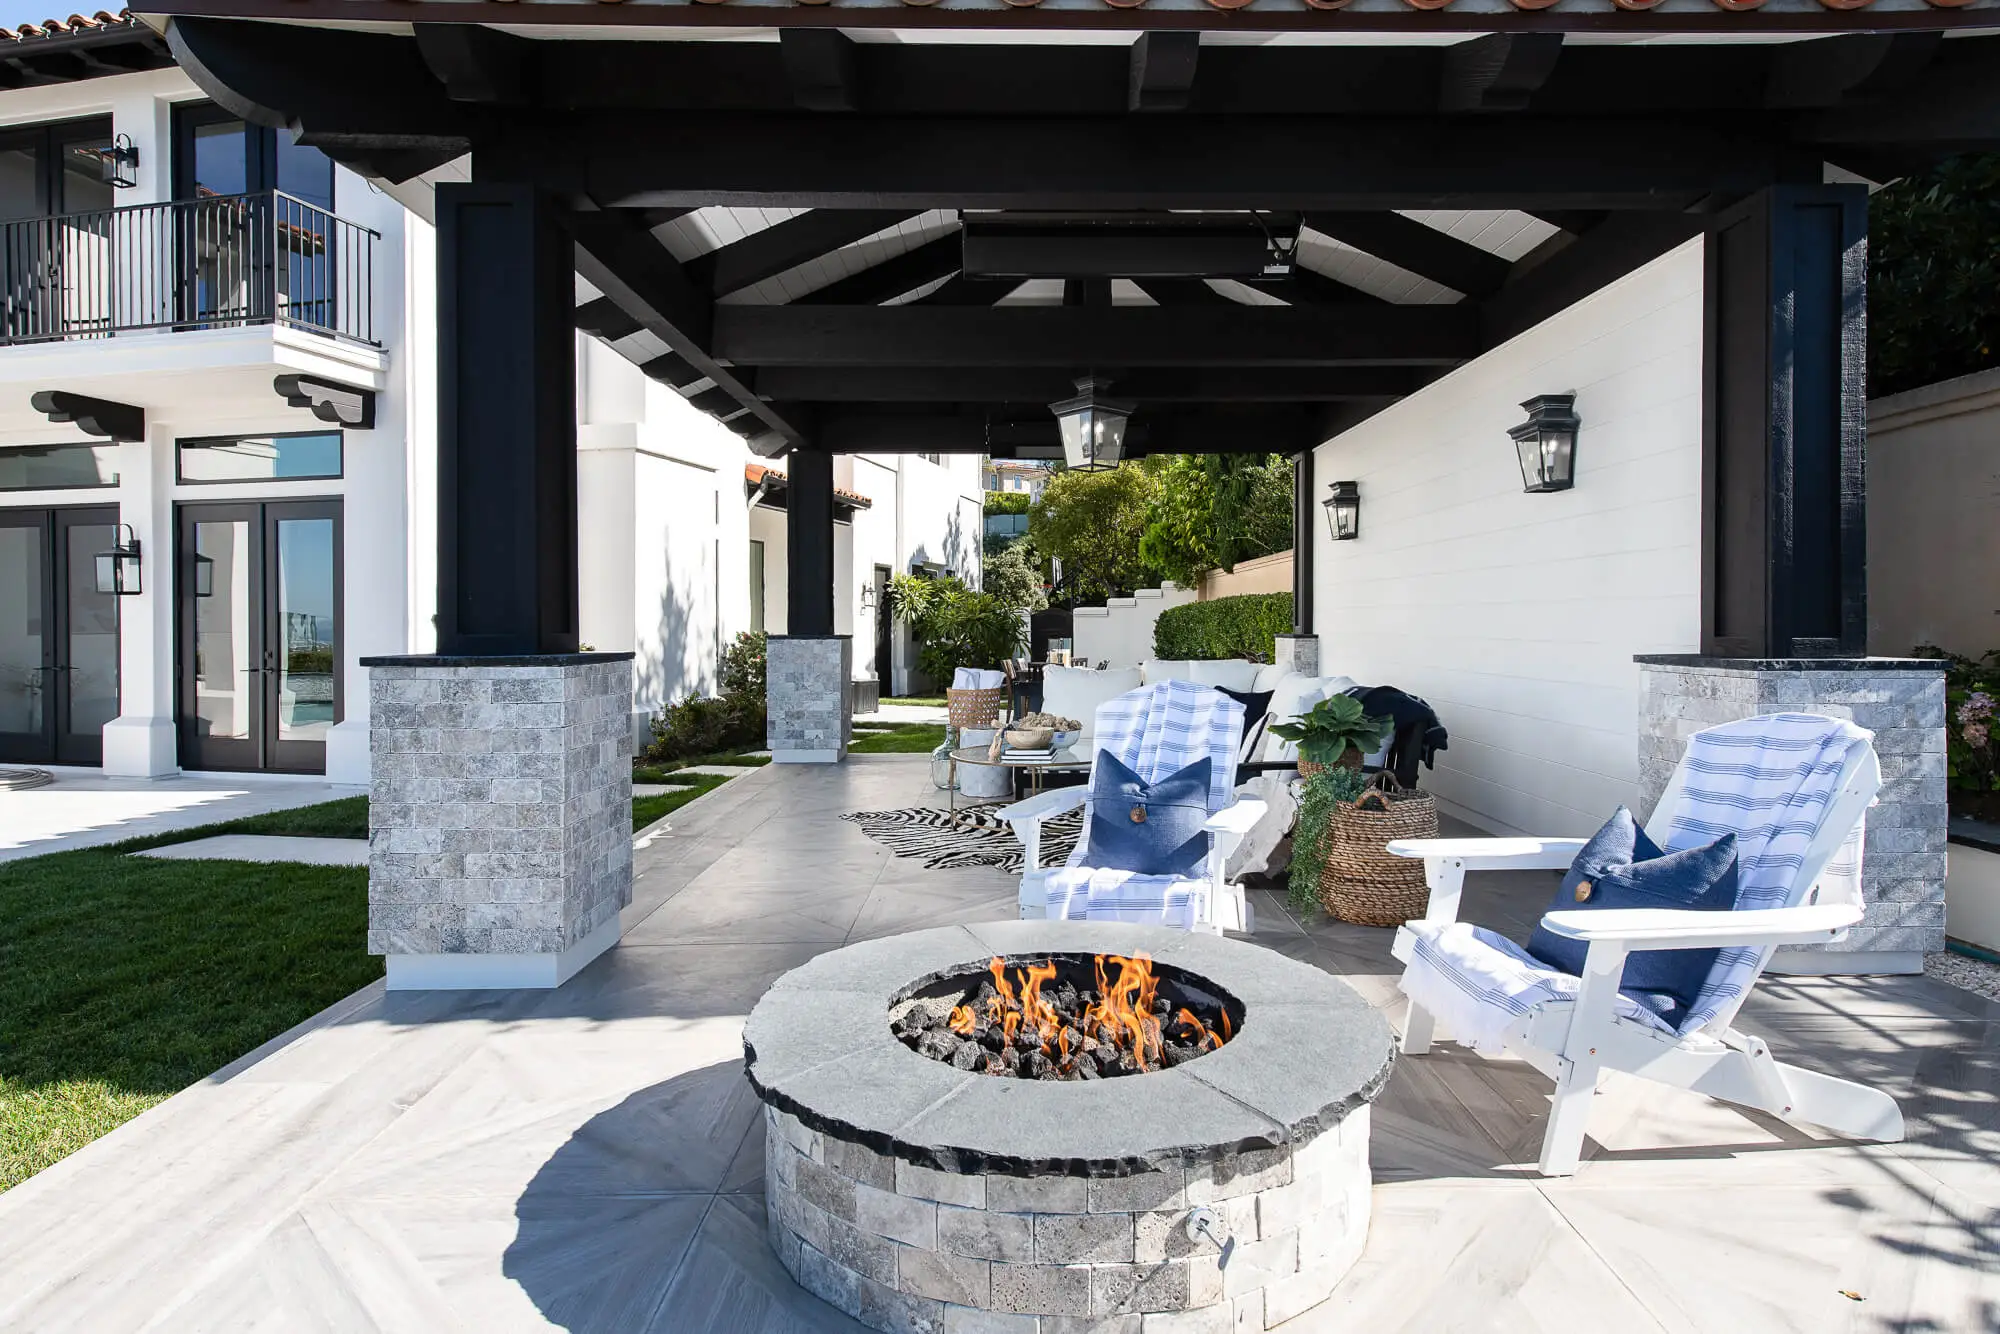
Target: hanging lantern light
column 1093, row 426
column 1343, row 510
column 120, row 163
column 1546, row 443
column 118, row 568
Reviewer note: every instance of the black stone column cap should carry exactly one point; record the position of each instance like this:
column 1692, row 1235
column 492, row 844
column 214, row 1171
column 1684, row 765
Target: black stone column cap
column 1791, row 664
column 493, row 659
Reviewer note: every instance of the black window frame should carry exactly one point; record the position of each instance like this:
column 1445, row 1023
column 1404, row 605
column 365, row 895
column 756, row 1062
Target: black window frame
column 182, row 479
column 260, row 168
column 112, row 485
column 48, row 136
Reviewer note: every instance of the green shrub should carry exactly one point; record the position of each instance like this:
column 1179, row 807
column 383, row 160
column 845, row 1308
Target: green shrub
column 955, row 626
column 1244, row 626
column 696, row 725
column 743, row 684
column 1008, row 502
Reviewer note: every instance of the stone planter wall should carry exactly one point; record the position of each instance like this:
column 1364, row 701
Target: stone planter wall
column 1902, row 702
column 919, row 1251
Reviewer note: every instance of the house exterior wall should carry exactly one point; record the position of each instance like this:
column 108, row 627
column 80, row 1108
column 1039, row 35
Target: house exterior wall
column 1265, row 574
column 1515, row 615
column 1934, row 517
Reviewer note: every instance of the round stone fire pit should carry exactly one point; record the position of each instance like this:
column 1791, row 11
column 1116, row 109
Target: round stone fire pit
column 904, row 1188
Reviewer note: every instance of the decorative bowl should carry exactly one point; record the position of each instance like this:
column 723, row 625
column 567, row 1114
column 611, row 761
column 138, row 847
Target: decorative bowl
column 1030, row 738
column 1064, row 740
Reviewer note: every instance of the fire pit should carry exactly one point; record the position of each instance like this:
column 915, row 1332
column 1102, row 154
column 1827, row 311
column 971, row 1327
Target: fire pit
column 1182, row 1127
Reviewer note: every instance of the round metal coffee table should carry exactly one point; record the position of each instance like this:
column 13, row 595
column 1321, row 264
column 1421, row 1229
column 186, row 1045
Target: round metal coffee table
column 1070, row 759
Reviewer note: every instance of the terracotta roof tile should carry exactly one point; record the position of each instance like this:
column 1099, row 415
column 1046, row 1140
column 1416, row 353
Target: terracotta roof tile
column 29, row 32
column 756, row 473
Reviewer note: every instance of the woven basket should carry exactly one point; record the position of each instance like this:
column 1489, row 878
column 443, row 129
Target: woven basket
column 975, row 708
column 1349, row 759
column 1362, row 882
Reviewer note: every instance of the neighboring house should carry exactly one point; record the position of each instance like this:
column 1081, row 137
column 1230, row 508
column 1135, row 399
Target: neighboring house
column 281, row 540
column 1017, row 476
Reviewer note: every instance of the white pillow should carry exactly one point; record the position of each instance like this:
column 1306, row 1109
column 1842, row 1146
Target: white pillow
column 1238, row 674
column 1168, row 669
column 1296, row 695
column 1075, row 692
column 1269, row 675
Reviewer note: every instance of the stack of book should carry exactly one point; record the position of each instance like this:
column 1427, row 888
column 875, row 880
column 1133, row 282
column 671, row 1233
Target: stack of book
column 1015, row 756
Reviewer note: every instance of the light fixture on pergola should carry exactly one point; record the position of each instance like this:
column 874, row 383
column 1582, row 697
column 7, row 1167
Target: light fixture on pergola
column 1093, row 426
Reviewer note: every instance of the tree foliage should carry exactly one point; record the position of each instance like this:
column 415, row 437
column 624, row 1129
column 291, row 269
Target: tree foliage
column 1210, row 511
column 1013, row 574
column 1934, row 269
column 1092, row 522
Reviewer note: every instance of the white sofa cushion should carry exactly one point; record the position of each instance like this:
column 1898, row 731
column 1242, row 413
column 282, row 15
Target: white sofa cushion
column 1291, row 697
column 1167, row 669
column 1238, row 674
column 1269, row 675
column 1075, row 692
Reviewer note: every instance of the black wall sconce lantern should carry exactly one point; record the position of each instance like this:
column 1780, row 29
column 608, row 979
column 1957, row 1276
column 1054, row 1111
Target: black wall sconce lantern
column 1343, row 510
column 1546, row 443
column 1093, row 426
column 121, row 162
column 118, row 568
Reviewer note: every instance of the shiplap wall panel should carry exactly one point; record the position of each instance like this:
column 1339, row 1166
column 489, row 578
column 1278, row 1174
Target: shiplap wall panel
column 1517, row 615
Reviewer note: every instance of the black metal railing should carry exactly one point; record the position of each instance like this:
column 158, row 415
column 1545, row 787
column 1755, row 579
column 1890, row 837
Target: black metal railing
column 215, row 262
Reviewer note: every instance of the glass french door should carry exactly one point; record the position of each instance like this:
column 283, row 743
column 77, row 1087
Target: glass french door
column 258, row 587
column 58, row 635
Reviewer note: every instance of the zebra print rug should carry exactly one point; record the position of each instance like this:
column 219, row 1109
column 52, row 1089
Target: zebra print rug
column 976, row 838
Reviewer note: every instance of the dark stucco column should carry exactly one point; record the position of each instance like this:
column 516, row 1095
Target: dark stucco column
column 809, row 543
column 507, row 559
column 1784, row 406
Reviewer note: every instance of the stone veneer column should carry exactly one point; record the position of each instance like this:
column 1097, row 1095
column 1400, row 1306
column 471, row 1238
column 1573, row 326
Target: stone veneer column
column 1300, row 653
column 1901, row 700
column 499, row 816
column 808, row 698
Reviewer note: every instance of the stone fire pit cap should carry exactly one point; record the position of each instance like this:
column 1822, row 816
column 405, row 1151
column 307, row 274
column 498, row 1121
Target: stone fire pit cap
column 1309, row 1051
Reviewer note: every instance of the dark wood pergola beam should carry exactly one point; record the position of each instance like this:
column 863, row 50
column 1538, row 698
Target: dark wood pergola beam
column 1423, row 250
column 1036, row 385
column 893, row 277
column 1272, row 428
column 787, row 245
column 1077, row 338
column 620, row 258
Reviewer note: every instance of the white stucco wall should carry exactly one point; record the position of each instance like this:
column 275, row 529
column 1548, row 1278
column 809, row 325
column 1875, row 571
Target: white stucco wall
column 1934, row 518
column 1517, row 615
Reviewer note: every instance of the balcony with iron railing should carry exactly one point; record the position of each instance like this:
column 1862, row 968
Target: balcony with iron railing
column 222, row 261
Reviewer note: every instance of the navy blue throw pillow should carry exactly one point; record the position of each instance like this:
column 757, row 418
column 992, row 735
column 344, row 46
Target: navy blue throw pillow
column 1151, row 828
column 1621, row 868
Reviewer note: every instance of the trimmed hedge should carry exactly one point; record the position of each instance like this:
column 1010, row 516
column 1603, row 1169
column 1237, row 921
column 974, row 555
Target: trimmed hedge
column 1244, row 626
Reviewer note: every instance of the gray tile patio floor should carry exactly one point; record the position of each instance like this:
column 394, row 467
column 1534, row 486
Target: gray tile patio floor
column 587, row 1159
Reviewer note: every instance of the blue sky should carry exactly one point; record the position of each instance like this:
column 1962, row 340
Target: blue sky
column 13, row 13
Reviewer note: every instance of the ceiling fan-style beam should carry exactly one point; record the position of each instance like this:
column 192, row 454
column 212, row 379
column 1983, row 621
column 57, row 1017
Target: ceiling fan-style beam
column 1162, row 69
column 1422, row 250
column 1498, row 72
column 788, row 244
column 1073, row 336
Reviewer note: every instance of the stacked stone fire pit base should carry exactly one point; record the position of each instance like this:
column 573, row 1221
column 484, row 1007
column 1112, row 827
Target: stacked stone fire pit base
column 1228, row 1193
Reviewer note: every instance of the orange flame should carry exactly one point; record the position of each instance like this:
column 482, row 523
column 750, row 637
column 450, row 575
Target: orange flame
column 1122, row 1015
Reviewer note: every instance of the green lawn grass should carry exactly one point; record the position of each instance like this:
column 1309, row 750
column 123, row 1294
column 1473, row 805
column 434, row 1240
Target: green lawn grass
column 909, row 739
column 920, row 701
column 125, row 979
column 664, row 771
column 645, row 810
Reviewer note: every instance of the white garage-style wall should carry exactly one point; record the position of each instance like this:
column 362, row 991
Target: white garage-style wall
column 1516, row 616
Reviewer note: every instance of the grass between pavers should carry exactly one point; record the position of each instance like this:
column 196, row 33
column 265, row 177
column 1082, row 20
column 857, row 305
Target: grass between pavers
column 916, row 701
column 645, row 810
column 125, row 979
column 908, row 739
column 663, row 772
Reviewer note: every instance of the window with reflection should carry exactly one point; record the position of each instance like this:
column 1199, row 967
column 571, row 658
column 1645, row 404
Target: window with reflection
column 58, row 467
column 260, row 458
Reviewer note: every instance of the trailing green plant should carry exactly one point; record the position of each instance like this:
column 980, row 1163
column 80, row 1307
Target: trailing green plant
column 955, row 626
column 1244, row 626
column 1319, row 796
column 1325, row 731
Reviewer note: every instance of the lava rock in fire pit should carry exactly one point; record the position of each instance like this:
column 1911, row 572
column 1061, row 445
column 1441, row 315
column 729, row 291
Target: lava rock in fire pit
column 1031, row 1021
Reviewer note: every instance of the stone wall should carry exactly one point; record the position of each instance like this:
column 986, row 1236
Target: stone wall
column 808, row 697
column 918, row 1251
column 1901, row 701
column 499, row 810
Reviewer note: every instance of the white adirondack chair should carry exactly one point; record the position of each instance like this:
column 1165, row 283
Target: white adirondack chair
column 1571, row 1029
column 1156, row 731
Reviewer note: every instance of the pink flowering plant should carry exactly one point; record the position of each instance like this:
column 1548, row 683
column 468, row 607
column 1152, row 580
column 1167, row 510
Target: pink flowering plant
column 1972, row 733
